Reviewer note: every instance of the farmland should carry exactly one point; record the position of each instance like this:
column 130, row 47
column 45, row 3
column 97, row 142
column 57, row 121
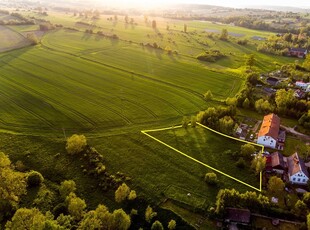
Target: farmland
column 116, row 82
column 11, row 39
column 111, row 85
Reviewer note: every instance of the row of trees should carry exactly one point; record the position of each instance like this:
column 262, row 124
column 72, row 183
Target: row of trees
column 219, row 118
column 280, row 45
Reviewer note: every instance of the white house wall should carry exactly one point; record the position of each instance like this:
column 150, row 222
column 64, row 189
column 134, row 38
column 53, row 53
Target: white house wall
column 299, row 178
column 267, row 141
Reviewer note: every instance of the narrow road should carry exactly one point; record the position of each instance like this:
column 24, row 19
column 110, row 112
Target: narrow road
column 294, row 132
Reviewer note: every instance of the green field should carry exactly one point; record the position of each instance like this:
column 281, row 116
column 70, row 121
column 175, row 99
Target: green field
column 110, row 90
column 11, row 40
column 199, row 143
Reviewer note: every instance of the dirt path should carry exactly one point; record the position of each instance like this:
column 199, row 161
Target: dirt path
column 294, row 132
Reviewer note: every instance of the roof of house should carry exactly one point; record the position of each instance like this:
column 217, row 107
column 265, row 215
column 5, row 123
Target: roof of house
column 277, row 160
column 270, row 126
column 295, row 165
column 298, row 50
column 238, row 215
column 272, row 79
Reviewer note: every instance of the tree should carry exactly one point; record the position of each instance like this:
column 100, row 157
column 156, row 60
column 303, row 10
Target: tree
column 263, row 106
column 276, row 185
column 193, row 121
column 132, row 195
column 246, row 103
column 247, row 150
column 122, row 193
column 126, row 18
column 226, row 125
column 283, row 99
column 120, row 220
column 149, row 214
column 250, row 60
column 185, row 28
column 185, row 122
column 300, row 208
column 258, row 163
column 12, row 183
column 306, row 63
column 208, row 95
column 172, row 224
column 34, row 178
column 211, row 178
column 232, row 101
column 224, row 35
column 76, row 144
column 157, row 226
column 67, row 187
column 308, row 221
column 96, row 219
column 32, row 37
column 154, row 24
column 76, row 206
column 306, row 199
column 26, row 219
column 241, row 163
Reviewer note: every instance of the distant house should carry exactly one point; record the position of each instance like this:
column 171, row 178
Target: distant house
column 299, row 94
column 298, row 52
column 269, row 131
column 302, row 85
column 272, row 81
column 238, row 216
column 297, row 171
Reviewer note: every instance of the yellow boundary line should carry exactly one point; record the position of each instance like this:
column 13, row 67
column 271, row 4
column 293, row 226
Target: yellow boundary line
column 145, row 132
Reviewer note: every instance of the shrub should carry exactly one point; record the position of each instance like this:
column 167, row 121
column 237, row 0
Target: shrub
column 211, row 178
column 210, row 56
column 241, row 163
column 76, row 144
column 34, row 179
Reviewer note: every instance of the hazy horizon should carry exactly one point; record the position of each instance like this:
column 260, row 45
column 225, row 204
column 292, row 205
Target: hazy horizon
column 227, row 3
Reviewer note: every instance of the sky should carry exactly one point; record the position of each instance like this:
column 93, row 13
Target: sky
column 230, row 3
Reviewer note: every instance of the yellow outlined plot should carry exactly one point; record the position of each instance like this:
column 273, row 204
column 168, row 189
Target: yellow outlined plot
column 145, row 132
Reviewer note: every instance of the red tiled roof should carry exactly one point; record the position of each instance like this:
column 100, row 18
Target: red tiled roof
column 295, row 165
column 270, row 126
column 277, row 160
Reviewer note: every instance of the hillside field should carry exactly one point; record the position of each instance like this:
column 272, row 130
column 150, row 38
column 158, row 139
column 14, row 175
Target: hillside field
column 11, row 40
column 109, row 89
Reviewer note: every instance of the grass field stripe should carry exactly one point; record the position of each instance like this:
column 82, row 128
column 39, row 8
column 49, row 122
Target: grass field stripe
column 193, row 159
column 163, row 129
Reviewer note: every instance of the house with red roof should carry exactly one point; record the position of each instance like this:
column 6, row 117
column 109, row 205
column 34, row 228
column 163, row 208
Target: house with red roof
column 269, row 131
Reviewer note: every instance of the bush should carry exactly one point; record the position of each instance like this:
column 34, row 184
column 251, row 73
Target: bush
column 76, row 144
column 34, row 179
column 241, row 163
column 211, row 56
column 211, row 178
